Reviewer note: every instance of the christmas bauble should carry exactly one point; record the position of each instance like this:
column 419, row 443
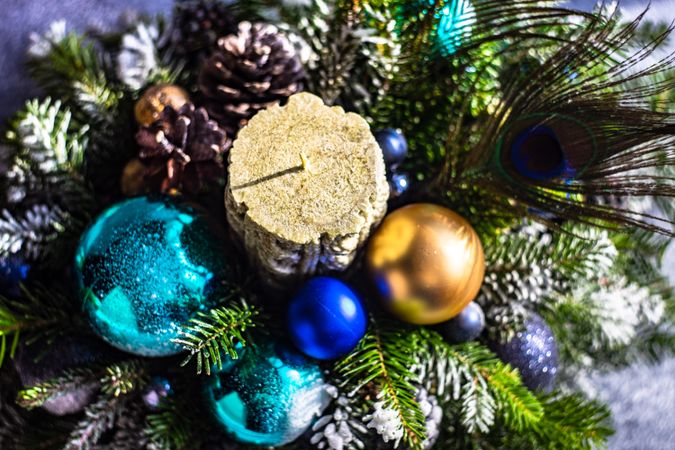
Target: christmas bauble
column 13, row 271
column 153, row 101
column 533, row 352
column 156, row 392
column 465, row 326
column 398, row 185
column 269, row 397
column 326, row 318
column 426, row 263
column 394, row 146
column 145, row 267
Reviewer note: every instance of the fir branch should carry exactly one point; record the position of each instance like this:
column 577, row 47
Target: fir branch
column 40, row 313
column 47, row 140
column 99, row 417
column 171, row 428
column 573, row 423
column 123, row 378
column 222, row 329
column 384, row 356
column 470, row 372
column 35, row 396
column 72, row 70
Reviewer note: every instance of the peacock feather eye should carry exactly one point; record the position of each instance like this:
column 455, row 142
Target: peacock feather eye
column 537, row 153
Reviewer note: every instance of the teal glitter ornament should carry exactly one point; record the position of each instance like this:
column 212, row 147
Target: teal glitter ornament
column 269, row 397
column 454, row 24
column 144, row 268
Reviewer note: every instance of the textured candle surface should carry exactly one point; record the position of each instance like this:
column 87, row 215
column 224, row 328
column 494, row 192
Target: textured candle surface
column 306, row 184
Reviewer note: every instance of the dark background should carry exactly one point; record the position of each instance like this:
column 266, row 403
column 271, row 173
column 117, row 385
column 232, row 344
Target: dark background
column 642, row 398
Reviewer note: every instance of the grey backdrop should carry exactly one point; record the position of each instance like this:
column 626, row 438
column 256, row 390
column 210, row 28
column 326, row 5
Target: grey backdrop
column 642, row 398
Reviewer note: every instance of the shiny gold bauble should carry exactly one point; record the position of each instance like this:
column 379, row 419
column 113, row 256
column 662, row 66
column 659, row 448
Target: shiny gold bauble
column 426, row 263
column 153, row 101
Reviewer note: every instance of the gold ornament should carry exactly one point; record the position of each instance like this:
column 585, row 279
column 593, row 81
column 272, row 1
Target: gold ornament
column 153, row 101
column 132, row 181
column 426, row 263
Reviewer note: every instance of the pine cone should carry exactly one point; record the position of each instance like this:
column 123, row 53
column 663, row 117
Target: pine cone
column 183, row 150
column 249, row 71
column 198, row 24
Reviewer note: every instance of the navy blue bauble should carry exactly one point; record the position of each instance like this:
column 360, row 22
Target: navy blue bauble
column 466, row 326
column 394, row 146
column 146, row 267
column 13, row 271
column 533, row 352
column 399, row 183
column 537, row 153
column 326, row 318
column 269, row 396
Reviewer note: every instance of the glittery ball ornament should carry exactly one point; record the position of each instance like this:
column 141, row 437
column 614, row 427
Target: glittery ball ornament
column 533, row 352
column 326, row 318
column 149, row 107
column 465, row 326
column 269, row 397
column 145, row 267
column 426, row 263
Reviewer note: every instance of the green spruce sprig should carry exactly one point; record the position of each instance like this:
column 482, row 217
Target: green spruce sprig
column 40, row 313
column 99, row 417
column 222, row 329
column 36, row 396
column 171, row 428
column 123, row 378
column 385, row 356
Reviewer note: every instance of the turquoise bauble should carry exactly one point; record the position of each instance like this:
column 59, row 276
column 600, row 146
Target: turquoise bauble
column 145, row 267
column 269, row 397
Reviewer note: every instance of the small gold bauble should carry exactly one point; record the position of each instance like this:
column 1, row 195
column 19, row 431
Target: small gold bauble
column 153, row 101
column 132, row 182
column 426, row 263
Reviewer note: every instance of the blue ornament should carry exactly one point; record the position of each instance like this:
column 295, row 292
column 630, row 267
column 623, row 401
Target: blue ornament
column 466, row 326
column 269, row 397
column 399, row 183
column 455, row 22
column 156, row 392
column 326, row 319
column 533, row 352
column 394, row 146
column 145, row 267
column 13, row 271
column 536, row 153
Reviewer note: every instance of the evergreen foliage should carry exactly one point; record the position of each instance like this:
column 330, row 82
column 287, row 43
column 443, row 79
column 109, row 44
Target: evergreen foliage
column 598, row 285
column 211, row 336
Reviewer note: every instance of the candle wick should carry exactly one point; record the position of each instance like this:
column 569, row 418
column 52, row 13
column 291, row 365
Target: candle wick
column 305, row 162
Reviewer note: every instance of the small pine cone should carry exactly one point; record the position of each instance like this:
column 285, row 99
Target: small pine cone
column 198, row 24
column 183, row 151
column 248, row 72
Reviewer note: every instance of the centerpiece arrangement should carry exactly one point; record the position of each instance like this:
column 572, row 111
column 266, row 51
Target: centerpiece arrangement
column 334, row 224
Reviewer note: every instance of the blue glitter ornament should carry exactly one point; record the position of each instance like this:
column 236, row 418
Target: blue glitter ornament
column 326, row 319
column 466, row 326
column 13, row 271
column 145, row 267
column 269, row 397
column 455, row 21
column 533, row 352
column 394, row 146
